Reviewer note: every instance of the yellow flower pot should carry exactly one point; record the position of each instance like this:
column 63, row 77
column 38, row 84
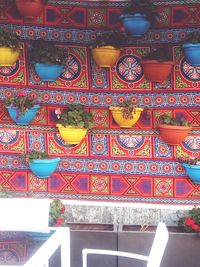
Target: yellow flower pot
column 8, row 56
column 72, row 135
column 122, row 122
column 106, row 56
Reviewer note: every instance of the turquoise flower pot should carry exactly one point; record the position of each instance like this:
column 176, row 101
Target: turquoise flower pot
column 47, row 72
column 135, row 24
column 43, row 168
column 22, row 118
column 192, row 53
column 193, row 172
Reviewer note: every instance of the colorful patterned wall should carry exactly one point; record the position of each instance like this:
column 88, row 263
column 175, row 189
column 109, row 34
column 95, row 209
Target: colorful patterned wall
column 110, row 164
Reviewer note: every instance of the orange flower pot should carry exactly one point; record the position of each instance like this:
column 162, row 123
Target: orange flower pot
column 106, row 56
column 156, row 71
column 29, row 8
column 173, row 135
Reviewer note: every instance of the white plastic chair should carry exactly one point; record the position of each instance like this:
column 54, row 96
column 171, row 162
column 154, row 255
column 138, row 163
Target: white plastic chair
column 152, row 260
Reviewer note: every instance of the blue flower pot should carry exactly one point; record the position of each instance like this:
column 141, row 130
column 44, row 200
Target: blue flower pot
column 193, row 172
column 43, row 168
column 23, row 118
column 135, row 24
column 47, row 72
column 192, row 53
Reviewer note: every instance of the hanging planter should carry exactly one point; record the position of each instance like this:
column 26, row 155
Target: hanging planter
column 48, row 60
column 40, row 164
column 23, row 118
column 157, row 65
column 106, row 49
column 173, row 131
column 9, row 48
column 47, row 72
column 73, row 123
column 137, row 17
column 191, row 48
column 21, row 108
column 126, row 116
column 192, row 168
column 30, row 9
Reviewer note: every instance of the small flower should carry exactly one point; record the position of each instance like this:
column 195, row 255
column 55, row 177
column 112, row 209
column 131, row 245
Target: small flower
column 59, row 221
column 58, row 113
column 21, row 93
column 189, row 221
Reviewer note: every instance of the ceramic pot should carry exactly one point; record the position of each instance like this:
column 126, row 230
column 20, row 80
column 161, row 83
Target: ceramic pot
column 72, row 135
column 29, row 9
column 106, row 56
column 43, row 168
column 193, row 172
column 48, row 72
column 8, row 56
column 192, row 53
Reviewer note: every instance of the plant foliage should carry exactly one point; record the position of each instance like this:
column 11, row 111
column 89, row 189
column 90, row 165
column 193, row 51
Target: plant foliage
column 193, row 38
column 74, row 115
column 169, row 120
column 34, row 154
column 21, row 101
column 190, row 161
column 143, row 7
column 57, row 214
column 161, row 54
column 115, row 39
column 128, row 109
column 47, row 53
column 9, row 39
column 191, row 223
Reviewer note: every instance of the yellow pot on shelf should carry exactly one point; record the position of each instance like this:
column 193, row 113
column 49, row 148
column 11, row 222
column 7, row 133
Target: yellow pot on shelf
column 8, row 56
column 70, row 134
column 106, row 56
column 123, row 122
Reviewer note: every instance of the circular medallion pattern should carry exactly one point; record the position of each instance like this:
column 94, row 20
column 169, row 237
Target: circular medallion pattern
column 8, row 136
column 130, row 141
column 192, row 143
column 129, row 68
column 72, row 69
column 9, row 71
column 190, row 72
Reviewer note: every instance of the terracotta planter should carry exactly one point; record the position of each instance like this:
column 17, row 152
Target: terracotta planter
column 72, row 135
column 29, row 9
column 106, row 56
column 122, row 122
column 8, row 56
column 173, row 135
column 156, row 71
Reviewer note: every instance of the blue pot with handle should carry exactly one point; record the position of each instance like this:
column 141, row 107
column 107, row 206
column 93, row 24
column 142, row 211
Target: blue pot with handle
column 135, row 24
column 48, row 72
column 22, row 118
column 193, row 172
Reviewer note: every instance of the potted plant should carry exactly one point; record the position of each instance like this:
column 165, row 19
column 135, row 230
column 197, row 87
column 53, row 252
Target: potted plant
column 173, row 130
column 106, row 49
column 40, row 164
column 73, row 123
column 21, row 108
column 48, row 59
column 30, row 9
column 157, row 64
column 138, row 16
column 192, row 167
column 57, row 214
column 191, row 222
column 9, row 47
column 191, row 48
column 126, row 115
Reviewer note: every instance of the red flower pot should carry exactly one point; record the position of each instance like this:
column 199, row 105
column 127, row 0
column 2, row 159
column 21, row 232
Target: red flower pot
column 29, row 8
column 173, row 135
column 156, row 71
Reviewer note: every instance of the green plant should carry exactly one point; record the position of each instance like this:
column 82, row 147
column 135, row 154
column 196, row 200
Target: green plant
column 56, row 214
column 190, row 161
column 47, row 53
column 143, row 7
column 9, row 39
column 191, row 223
column 21, row 101
column 127, row 109
column 75, row 116
column 35, row 154
column 193, row 37
column 161, row 54
column 169, row 120
column 115, row 39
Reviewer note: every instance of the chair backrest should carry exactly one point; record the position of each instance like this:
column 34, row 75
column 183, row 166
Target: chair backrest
column 158, row 246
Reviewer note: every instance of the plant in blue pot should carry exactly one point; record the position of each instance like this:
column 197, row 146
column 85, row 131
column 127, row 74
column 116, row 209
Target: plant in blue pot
column 40, row 163
column 191, row 48
column 138, row 16
column 192, row 168
column 48, row 59
column 21, row 108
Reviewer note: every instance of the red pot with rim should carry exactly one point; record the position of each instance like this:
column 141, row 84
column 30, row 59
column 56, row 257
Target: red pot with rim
column 29, row 8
